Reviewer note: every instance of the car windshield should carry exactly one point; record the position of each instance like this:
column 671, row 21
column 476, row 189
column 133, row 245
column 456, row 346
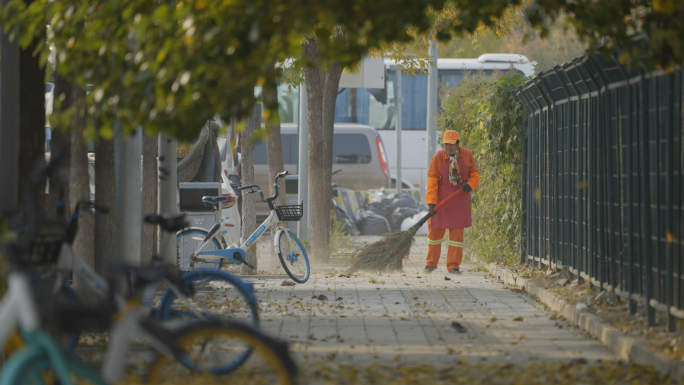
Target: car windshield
column 347, row 149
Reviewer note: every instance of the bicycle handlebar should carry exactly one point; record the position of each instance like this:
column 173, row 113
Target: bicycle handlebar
column 86, row 204
column 252, row 188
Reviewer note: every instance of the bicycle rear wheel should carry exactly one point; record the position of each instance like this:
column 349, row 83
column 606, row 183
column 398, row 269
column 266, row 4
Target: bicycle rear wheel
column 215, row 348
column 292, row 256
column 187, row 242
column 31, row 366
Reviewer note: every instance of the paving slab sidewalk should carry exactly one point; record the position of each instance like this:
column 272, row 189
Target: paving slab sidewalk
column 408, row 316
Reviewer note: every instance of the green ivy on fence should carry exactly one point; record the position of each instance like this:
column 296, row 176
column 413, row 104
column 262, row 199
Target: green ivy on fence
column 489, row 119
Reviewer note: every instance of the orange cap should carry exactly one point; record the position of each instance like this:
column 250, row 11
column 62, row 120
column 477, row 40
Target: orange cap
column 450, row 137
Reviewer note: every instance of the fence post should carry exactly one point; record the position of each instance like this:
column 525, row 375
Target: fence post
column 523, row 180
column 628, row 137
column 678, row 200
column 669, row 258
column 645, row 201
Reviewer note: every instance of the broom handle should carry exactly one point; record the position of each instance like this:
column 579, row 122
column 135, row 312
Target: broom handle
column 432, row 213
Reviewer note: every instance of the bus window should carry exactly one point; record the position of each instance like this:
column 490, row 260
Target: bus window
column 450, row 77
column 288, row 104
column 362, row 107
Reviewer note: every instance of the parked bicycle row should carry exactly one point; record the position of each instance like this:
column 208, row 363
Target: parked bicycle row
column 42, row 316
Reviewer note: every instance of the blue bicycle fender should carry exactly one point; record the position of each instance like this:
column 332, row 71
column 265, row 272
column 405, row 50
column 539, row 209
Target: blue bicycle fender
column 227, row 253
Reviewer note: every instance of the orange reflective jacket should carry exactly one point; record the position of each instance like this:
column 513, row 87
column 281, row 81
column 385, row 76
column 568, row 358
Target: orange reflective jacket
column 435, row 173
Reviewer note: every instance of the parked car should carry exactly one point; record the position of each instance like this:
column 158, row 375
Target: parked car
column 357, row 151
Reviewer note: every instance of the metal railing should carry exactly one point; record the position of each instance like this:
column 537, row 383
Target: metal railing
column 603, row 192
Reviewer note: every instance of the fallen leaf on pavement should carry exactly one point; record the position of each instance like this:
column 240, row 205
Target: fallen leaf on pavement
column 459, row 328
column 287, row 283
column 518, row 319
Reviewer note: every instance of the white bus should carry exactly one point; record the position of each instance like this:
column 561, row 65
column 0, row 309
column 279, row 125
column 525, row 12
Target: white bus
column 375, row 107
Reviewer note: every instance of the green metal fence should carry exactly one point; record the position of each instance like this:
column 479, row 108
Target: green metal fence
column 602, row 179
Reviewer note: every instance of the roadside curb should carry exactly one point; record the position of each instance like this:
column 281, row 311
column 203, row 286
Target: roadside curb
column 625, row 347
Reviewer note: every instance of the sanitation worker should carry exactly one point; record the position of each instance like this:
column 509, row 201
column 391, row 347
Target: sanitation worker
column 451, row 169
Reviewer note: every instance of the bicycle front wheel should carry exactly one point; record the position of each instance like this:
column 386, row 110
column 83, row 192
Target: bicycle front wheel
column 32, row 366
column 292, row 256
column 224, row 296
column 188, row 241
column 218, row 348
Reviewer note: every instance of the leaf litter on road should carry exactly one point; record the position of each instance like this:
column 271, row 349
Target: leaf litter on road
column 400, row 372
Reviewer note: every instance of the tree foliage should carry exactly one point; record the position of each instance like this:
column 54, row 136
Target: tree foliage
column 561, row 46
column 168, row 66
column 609, row 25
column 483, row 110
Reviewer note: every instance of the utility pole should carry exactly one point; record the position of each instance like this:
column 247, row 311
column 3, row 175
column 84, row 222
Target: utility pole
column 167, row 182
column 303, row 164
column 9, row 122
column 128, row 152
column 431, row 109
column 398, row 100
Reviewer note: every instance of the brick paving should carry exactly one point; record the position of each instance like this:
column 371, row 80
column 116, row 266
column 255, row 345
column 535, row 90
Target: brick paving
column 408, row 317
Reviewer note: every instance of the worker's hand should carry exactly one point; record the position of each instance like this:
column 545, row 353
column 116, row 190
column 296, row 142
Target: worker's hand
column 466, row 187
column 431, row 207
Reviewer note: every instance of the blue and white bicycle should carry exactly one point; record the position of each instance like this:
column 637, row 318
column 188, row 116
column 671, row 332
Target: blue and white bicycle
column 199, row 249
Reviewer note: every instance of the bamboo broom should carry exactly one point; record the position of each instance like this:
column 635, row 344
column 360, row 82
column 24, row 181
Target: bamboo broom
column 389, row 252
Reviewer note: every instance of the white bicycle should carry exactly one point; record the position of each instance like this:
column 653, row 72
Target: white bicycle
column 198, row 248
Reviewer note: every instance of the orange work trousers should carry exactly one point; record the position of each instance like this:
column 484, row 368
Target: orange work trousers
column 455, row 252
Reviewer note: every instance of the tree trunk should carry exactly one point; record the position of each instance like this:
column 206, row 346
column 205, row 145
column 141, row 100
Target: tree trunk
column 274, row 146
column 248, row 203
column 321, row 88
column 318, row 203
column 31, row 122
column 60, row 143
column 105, row 195
column 79, row 185
column 148, row 241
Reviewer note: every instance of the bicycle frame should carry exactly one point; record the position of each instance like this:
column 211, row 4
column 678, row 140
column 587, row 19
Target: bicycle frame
column 271, row 221
column 69, row 261
column 230, row 253
column 17, row 308
column 128, row 330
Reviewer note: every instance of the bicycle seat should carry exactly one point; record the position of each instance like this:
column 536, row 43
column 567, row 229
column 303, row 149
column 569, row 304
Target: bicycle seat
column 213, row 201
column 171, row 224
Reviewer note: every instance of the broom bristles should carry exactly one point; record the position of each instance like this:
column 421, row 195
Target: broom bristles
column 386, row 254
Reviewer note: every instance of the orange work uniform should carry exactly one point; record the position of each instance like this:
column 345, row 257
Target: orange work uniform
column 456, row 215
